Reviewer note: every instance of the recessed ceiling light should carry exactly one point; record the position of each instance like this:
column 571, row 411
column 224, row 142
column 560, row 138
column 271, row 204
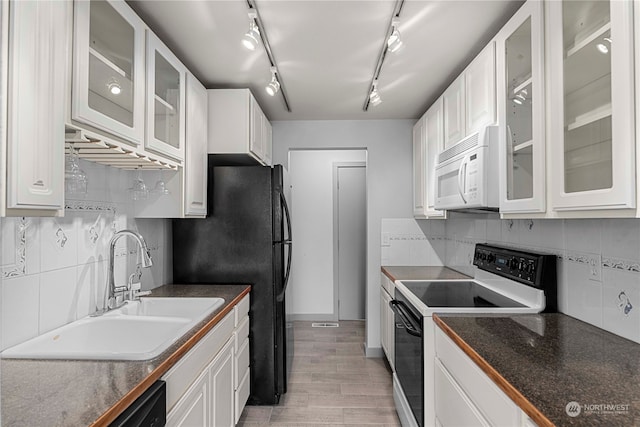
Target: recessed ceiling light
column 603, row 46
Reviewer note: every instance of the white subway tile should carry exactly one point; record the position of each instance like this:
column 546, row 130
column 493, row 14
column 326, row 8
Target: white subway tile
column 621, row 238
column 583, row 235
column 91, row 280
column 59, row 243
column 59, row 297
column 20, row 309
column 621, row 303
column 584, row 294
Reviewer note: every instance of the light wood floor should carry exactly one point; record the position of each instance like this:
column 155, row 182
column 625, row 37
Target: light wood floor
column 332, row 383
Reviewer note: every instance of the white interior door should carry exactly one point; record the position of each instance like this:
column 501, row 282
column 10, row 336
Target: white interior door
column 350, row 224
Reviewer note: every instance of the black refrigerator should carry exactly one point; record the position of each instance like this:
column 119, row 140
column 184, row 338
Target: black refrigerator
column 246, row 238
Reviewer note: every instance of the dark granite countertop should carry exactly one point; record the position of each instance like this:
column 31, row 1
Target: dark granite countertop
column 552, row 360
column 94, row 392
column 422, row 273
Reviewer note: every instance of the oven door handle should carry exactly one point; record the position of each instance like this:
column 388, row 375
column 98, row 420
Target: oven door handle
column 400, row 309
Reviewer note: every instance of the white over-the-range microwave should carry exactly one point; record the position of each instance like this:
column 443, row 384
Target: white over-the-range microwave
column 466, row 175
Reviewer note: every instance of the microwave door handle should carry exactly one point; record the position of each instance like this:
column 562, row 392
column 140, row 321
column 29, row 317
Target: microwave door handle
column 462, row 172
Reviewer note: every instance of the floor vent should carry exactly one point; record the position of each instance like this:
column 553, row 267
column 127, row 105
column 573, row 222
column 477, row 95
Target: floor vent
column 325, row 325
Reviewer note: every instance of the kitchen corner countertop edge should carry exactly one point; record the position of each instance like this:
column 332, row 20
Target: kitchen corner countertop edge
column 545, row 362
column 95, row 392
column 504, row 385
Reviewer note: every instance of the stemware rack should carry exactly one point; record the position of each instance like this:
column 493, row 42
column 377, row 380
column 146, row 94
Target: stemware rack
column 111, row 153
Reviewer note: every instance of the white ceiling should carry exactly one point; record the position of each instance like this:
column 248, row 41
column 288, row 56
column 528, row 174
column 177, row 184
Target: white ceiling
column 326, row 50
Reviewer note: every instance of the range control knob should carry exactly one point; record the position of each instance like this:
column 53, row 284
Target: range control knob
column 512, row 263
column 530, row 268
column 491, row 258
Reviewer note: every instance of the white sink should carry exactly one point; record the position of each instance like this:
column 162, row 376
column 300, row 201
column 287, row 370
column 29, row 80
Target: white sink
column 138, row 331
column 190, row 308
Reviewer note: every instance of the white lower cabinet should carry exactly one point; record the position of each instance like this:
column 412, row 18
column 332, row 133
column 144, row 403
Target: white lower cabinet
column 222, row 388
column 191, row 410
column 465, row 395
column 202, row 388
column 387, row 321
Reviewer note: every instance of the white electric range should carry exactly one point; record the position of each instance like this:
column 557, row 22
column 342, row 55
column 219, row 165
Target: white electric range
column 506, row 281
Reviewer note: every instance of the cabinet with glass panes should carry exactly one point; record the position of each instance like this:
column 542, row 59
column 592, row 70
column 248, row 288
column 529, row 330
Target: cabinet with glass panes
column 521, row 111
column 592, row 87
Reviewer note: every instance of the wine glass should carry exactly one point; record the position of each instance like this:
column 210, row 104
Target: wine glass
column 161, row 187
column 75, row 180
column 139, row 189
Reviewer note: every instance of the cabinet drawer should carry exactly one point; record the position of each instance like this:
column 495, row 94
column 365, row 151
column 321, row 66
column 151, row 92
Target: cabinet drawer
column 242, row 333
column 453, row 407
column 242, row 361
column 493, row 404
column 180, row 376
column 241, row 310
column 242, row 394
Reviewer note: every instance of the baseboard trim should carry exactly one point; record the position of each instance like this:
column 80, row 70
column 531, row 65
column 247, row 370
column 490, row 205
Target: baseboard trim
column 373, row 352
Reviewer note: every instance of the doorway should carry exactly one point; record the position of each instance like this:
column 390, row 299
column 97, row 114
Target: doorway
column 350, row 239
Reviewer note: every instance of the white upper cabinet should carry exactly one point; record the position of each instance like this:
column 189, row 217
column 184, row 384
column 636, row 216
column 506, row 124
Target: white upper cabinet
column 109, row 69
column 195, row 162
column 239, row 132
column 592, row 104
column 470, row 101
column 433, row 123
column 35, row 36
column 165, row 100
column 419, row 163
column 520, row 49
column 427, row 143
column 454, row 112
column 480, row 91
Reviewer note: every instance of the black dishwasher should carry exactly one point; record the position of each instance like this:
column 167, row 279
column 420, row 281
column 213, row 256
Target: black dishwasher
column 149, row 410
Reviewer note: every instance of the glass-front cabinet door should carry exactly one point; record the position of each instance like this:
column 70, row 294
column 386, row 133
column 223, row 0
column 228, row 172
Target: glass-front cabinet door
column 165, row 100
column 592, row 108
column 109, row 68
column 521, row 110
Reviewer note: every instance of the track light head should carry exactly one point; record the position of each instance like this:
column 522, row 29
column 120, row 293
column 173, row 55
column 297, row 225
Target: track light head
column 374, row 96
column 251, row 39
column 394, row 42
column 274, row 85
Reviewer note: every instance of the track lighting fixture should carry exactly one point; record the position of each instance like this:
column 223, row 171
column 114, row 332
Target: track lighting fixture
column 374, row 96
column 257, row 34
column 391, row 43
column 274, row 85
column 251, row 39
column 394, row 43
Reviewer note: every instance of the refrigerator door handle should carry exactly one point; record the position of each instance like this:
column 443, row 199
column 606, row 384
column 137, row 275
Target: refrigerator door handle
column 283, row 201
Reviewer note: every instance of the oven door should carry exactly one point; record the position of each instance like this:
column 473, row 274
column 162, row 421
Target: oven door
column 409, row 360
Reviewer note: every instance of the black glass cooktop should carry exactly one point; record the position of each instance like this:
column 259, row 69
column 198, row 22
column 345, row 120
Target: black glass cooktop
column 458, row 294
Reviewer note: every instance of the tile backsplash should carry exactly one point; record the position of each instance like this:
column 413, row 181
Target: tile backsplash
column 54, row 269
column 598, row 259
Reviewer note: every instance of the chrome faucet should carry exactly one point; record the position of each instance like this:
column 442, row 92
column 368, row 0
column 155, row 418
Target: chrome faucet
column 110, row 300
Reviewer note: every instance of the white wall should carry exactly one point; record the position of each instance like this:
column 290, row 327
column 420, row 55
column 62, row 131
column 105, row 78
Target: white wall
column 389, row 193
column 54, row 269
column 311, row 282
